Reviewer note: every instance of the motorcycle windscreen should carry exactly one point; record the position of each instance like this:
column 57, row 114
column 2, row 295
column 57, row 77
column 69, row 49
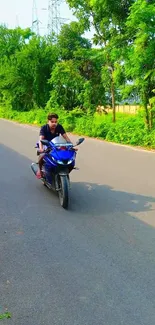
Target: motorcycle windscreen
column 59, row 140
column 62, row 153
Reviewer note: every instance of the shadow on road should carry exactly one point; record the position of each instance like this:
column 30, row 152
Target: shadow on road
column 89, row 199
column 92, row 262
column 97, row 199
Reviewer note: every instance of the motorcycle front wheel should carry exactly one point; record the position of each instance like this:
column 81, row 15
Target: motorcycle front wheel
column 64, row 191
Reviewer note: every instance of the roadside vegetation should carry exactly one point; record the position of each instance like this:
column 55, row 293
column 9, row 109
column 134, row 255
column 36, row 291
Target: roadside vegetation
column 69, row 75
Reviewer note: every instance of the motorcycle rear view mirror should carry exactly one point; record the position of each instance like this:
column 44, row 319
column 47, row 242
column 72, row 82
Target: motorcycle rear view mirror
column 80, row 141
column 45, row 142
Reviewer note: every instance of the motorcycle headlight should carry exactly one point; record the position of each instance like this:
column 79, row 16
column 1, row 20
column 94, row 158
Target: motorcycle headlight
column 60, row 162
column 70, row 161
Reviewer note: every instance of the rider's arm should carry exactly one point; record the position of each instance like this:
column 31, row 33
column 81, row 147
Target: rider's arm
column 65, row 136
column 41, row 137
column 41, row 147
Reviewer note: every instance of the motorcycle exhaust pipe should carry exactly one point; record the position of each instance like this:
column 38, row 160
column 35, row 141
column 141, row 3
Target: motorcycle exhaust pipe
column 34, row 168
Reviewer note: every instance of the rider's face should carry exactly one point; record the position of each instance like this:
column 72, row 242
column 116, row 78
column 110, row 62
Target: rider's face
column 53, row 123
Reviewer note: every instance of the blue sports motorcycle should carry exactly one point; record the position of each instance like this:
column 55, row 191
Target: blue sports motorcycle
column 58, row 162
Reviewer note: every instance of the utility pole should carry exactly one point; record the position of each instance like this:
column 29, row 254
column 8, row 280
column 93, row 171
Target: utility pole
column 35, row 20
column 54, row 19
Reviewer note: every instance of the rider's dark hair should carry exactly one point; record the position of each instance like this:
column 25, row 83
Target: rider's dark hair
column 52, row 115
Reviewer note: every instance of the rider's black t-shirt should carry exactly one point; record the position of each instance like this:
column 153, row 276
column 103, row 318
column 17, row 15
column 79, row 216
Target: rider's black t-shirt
column 46, row 132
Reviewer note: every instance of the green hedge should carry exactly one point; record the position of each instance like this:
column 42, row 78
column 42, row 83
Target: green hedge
column 129, row 129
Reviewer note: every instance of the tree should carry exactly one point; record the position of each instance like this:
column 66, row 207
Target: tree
column 24, row 74
column 71, row 40
column 66, row 83
column 12, row 40
column 73, row 46
column 90, row 64
column 140, row 62
column 108, row 19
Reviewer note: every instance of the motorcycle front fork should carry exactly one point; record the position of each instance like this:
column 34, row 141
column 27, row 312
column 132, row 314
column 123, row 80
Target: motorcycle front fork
column 57, row 186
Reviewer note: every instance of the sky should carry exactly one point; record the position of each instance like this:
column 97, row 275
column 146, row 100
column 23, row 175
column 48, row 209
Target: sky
column 19, row 13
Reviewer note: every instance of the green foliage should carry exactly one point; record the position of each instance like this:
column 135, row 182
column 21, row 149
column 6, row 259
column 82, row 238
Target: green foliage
column 90, row 64
column 67, row 83
column 6, row 315
column 108, row 19
column 25, row 71
column 67, row 75
column 12, row 40
column 140, row 60
column 70, row 40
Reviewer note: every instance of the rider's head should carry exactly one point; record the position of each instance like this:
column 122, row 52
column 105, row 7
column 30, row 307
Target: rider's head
column 52, row 120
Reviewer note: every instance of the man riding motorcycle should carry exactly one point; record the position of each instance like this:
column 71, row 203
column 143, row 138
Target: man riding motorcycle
column 48, row 132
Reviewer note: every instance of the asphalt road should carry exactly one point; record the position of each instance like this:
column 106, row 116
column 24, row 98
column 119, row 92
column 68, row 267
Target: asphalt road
column 91, row 265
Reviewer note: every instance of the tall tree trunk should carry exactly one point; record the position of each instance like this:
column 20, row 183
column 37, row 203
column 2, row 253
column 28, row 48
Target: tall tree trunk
column 113, row 98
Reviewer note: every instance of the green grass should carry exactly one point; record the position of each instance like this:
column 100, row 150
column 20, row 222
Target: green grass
column 129, row 129
column 5, row 316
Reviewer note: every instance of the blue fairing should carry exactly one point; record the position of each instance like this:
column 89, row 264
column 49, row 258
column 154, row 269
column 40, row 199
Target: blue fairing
column 63, row 154
column 57, row 152
column 60, row 155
